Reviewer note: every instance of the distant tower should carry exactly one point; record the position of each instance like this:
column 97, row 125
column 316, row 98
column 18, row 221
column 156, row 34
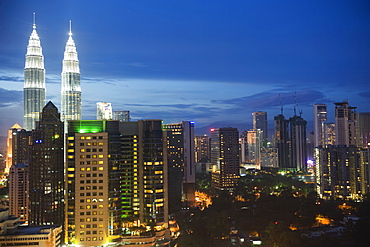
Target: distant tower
column 9, row 147
column 34, row 81
column 225, row 158
column 18, row 191
column 345, row 124
column 282, row 141
column 298, row 142
column 319, row 117
column 202, row 148
column 121, row 115
column 46, row 169
column 363, row 129
column 104, row 111
column 260, row 122
column 71, row 89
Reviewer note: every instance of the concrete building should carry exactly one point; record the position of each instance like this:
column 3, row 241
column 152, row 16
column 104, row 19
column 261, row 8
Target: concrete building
column 104, row 111
column 225, row 158
column 9, row 147
column 363, row 129
column 18, row 191
column 202, row 148
column 260, row 122
column 181, row 164
column 122, row 116
column 319, row 118
column 345, row 124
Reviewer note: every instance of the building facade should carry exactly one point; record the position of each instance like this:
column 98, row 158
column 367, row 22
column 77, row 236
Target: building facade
column 181, row 164
column 225, row 158
column 71, row 85
column 319, row 118
column 345, row 124
column 122, row 116
column 34, row 89
column 260, row 122
column 18, row 191
column 104, row 111
column 46, row 169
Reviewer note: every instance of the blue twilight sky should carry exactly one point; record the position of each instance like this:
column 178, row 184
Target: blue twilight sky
column 212, row 62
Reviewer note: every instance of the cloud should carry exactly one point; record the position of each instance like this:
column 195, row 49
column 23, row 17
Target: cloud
column 365, row 95
column 11, row 78
column 8, row 97
column 273, row 98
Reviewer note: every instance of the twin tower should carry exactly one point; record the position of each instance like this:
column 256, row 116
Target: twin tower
column 34, row 82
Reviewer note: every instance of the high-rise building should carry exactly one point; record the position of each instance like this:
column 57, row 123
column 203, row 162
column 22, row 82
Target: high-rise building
column 71, row 88
column 121, row 115
column 34, row 81
column 282, row 141
column 342, row 172
column 329, row 134
column 260, row 122
column 21, row 146
column 104, row 111
column 18, row 191
column 363, row 129
column 254, row 144
column 225, row 158
column 202, row 148
column 298, row 142
column 144, row 182
column 9, row 147
column 345, row 124
column 93, row 198
column 46, row 169
column 319, row 118
column 181, row 164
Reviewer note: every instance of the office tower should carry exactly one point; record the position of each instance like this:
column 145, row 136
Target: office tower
column 342, row 172
column 104, row 111
column 282, row 141
column 345, row 124
column 121, row 115
column 329, row 134
column 243, row 147
column 319, row 117
column 181, row 164
column 363, row 129
column 255, row 140
column 225, row 158
column 21, row 142
column 71, row 89
column 34, row 81
column 260, row 122
column 202, row 148
column 46, row 169
column 144, row 182
column 298, row 143
column 9, row 147
column 93, row 199
column 269, row 157
column 18, row 191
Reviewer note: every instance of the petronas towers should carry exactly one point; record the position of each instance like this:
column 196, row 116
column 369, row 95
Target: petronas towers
column 34, row 82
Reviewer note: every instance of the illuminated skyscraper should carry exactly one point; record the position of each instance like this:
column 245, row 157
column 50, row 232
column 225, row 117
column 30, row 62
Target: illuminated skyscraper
column 225, row 158
column 282, row 141
column 345, row 124
column 9, row 147
column 34, row 81
column 104, row 111
column 298, row 142
column 71, row 89
column 202, row 148
column 363, row 129
column 319, row 117
column 260, row 122
column 181, row 164
column 18, row 191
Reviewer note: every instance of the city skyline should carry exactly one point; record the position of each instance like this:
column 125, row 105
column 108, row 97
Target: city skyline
column 190, row 61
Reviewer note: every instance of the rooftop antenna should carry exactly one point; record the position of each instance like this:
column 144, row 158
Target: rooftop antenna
column 70, row 28
column 281, row 105
column 34, row 20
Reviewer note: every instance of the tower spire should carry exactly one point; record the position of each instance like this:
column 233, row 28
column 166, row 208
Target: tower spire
column 34, row 20
column 70, row 28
